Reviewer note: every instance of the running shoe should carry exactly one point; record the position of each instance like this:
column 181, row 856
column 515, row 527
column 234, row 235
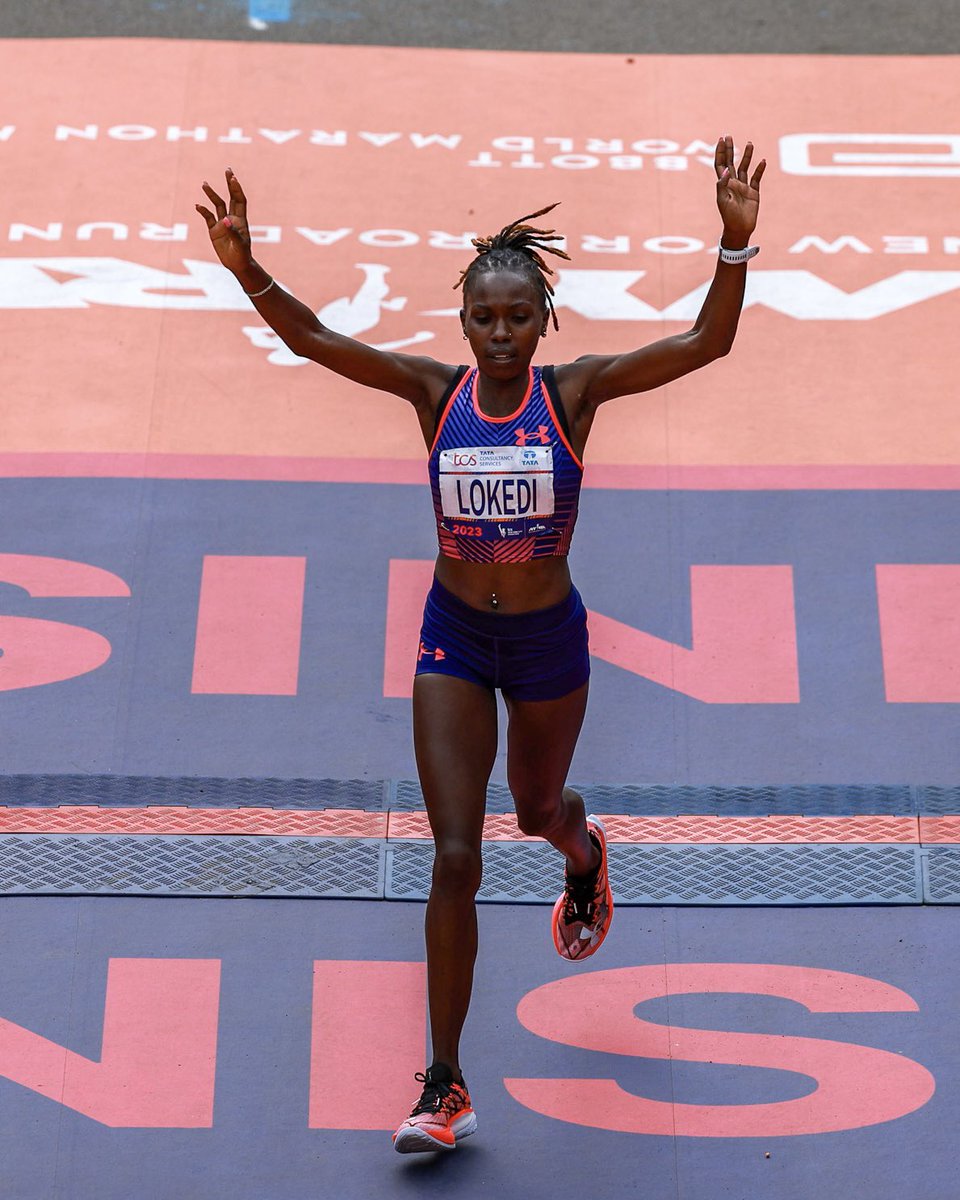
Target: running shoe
column 441, row 1117
column 582, row 915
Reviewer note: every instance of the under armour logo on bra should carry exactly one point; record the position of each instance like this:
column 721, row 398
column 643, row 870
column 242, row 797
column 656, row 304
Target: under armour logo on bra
column 542, row 435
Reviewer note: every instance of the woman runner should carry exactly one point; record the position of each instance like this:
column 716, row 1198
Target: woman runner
column 505, row 442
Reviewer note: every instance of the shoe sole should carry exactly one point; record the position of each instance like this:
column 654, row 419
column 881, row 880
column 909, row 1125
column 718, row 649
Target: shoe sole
column 412, row 1140
column 601, row 833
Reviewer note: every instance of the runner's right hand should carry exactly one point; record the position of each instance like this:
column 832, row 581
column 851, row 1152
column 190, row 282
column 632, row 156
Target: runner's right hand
column 228, row 230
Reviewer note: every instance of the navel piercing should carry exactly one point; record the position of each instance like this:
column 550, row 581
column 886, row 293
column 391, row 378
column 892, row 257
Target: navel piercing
column 494, row 602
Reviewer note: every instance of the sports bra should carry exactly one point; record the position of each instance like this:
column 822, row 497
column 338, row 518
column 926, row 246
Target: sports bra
column 505, row 489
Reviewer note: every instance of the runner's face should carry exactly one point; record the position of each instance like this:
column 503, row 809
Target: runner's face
column 503, row 316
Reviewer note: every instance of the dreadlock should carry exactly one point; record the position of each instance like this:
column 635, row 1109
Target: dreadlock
column 517, row 247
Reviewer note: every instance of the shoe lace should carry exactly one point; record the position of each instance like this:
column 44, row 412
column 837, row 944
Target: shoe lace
column 436, row 1097
column 580, row 898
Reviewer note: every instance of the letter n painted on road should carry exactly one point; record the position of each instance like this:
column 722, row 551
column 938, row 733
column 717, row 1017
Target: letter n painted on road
column 744, row 639
column 158, row 1055
column 36, row 651
column 249, row 626
column 369, row 1022
column 856, row 1085
column 920, row 631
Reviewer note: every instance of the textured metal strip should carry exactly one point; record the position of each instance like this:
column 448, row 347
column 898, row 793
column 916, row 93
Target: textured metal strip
column 497, row 827
column 84, row 819
column 939, row 800
column 636, row 800
column 408, row 796
column 36, row 864
column 351, row 823
column 129, row 791
column 706, row 829
column 687, row 875
column 939, row 829
column 941, row 875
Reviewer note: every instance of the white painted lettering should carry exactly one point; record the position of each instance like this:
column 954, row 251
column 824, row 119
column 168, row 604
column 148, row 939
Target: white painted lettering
column 380, row 139
column 52, row 233
column 603, row 295
column 280, row 137
column 901, row 244
column 151, row 232
column 450, row 141
column 23, row 284
column 175, row 133
column 806, row 297
column 593, row 244
column 699, row 147
column 815, row 242
column 655, row 146
column 575, row 162
column 65, row 132
column 673, row 245
column 323, row 237
column 940, row 155
column 119, row 232
column 389, row 238
column 513, row 145
column 450, row 241
column 320, row 137
column 132, row 133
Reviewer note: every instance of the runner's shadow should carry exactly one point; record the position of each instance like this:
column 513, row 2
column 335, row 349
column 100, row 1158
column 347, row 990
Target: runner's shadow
column 423, row 1167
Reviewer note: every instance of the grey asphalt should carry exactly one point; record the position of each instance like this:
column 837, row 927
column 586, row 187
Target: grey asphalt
column 600, row 26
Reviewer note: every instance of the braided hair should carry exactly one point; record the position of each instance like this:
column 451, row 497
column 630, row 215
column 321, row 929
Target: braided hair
column 517, row 247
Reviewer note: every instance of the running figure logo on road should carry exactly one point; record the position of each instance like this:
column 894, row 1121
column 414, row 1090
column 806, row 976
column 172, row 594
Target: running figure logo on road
column 350, row 315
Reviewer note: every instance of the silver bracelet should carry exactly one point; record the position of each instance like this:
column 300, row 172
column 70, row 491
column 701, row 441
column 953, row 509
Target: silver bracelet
column 262, row 292
column 737, row 256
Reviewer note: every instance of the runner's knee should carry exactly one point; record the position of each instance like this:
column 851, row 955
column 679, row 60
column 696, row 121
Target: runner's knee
column 536, row 819
column 457, row 869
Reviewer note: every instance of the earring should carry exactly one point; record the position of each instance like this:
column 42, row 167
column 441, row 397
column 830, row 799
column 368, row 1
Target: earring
column 543, row 332
column 465, row 338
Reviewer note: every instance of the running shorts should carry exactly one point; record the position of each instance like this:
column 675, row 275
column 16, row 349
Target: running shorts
column 538, row 655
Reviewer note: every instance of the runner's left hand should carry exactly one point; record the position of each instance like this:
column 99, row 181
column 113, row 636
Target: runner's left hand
column 738, row 192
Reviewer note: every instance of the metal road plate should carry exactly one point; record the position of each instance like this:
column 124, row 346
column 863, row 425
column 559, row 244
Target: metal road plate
column 686, row 875
column 941, row 875
column 208, row 792
column 38, row 864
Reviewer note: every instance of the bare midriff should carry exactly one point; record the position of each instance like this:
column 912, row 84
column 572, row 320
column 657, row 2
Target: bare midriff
column 506, row 587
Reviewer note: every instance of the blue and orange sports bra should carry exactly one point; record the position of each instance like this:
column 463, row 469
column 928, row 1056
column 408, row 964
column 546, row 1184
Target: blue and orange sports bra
column 505, row 489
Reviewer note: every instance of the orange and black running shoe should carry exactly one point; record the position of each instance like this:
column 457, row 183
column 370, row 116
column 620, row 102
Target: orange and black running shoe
column 582, row 915
column 441, row 1117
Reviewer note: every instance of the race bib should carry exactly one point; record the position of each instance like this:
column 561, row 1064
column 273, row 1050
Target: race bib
column 497, row 483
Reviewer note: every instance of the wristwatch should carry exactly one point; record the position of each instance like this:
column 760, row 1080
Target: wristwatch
column 737, row 256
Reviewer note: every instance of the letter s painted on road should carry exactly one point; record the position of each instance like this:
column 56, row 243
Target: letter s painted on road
column 35, row 651
column 856, row 1085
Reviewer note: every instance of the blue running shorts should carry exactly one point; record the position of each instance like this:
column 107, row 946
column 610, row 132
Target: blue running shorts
column 539, row 655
